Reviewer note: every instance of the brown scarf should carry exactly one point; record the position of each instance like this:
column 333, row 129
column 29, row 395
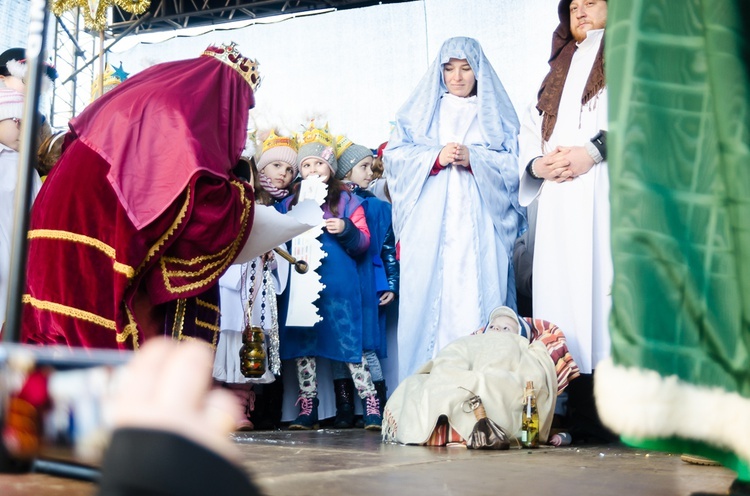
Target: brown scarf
column 550, row 92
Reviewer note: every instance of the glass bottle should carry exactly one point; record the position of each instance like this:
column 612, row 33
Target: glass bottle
column 530, row 418
column 253, row 352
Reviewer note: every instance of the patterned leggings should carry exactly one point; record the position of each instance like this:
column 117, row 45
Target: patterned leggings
column 339, row 369
column 307, row 378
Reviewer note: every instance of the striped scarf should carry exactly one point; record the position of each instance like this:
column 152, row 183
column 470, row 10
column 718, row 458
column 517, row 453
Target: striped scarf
column 271, row 189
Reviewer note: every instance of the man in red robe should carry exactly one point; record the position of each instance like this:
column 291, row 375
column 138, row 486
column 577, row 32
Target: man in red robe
column 141, row 215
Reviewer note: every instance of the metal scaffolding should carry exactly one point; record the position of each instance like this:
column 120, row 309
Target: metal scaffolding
column 72, row 48
column 176, row 14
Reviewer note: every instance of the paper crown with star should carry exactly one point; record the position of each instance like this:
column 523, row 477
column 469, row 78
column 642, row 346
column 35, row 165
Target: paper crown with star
column 316, row 135
column 342, row 143
column 274, row 140
column 112, row 77
column 230, row 55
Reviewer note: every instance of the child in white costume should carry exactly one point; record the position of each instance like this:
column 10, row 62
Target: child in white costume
column 257, row 283
column 11, row 111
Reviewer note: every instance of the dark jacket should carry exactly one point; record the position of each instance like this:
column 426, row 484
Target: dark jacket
column 144, row 462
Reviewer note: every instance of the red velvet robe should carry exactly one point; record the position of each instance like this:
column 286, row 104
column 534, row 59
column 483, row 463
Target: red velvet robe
column 94, row 280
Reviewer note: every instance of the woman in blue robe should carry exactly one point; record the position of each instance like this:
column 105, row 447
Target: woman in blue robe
column 451, row 165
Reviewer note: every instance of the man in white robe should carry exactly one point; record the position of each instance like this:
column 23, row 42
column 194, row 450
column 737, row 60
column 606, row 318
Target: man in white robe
column 572, row 261
column 562, row 164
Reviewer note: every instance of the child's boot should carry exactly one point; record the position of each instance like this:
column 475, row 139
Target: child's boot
column 275, row 402
column 344, row 389
column 372, row 417
column 308, row 415
column 382, row 391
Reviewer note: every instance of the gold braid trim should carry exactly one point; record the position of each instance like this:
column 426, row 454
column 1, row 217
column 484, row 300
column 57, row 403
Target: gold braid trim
column 232, row 249
column 204, row 303
column 217, row 320
column 208, row 326
column 179, row 320
column 198, row 340
column 157, row 246
column 200, row 258
column 75, row 313
column 195, row 273
column 122, row 268
column 215, row 339
column 130, row 330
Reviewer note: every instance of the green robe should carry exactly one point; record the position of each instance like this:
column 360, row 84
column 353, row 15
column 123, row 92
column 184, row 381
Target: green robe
column 679, row 157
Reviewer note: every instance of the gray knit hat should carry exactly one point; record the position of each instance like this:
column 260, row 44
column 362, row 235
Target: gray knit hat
column 11, row 104
column 350, row 157
column 317, row 142
column 320, row 150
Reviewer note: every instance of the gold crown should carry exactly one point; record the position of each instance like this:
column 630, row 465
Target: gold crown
column 316, row 135
column 274, row 140
column 229, row 54
column 342, row 143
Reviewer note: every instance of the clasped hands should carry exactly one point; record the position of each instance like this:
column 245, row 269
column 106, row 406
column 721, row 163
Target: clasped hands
column 564, row 163
column 454, row 153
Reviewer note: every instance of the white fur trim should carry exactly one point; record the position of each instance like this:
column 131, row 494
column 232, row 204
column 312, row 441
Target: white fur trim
column 640, row 403
column 19, row 69
column 16, row 69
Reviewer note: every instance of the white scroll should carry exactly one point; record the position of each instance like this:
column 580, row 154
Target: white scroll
column 305, row 288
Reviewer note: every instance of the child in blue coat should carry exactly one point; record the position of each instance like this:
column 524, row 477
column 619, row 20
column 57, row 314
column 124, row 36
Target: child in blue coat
column 339, row 336
column 378, row 272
